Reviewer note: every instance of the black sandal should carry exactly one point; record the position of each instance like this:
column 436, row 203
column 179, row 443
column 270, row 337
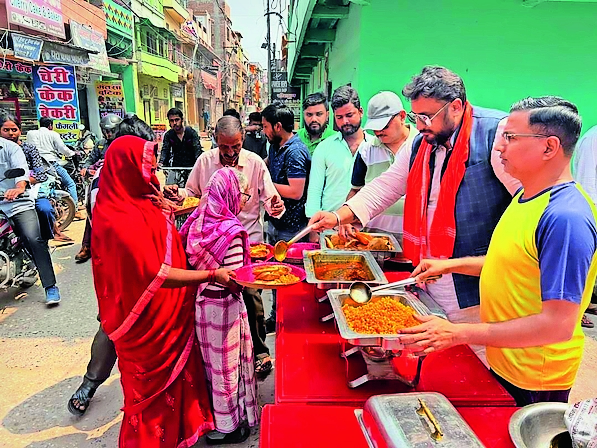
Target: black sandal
column 83, row 395
column 263, row 369
column 239, row 435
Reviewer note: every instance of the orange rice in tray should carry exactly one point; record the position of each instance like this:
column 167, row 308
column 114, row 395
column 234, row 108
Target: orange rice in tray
column 382, row 316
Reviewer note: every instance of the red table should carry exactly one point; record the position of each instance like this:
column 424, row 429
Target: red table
column 317, row 426
column 309, row 368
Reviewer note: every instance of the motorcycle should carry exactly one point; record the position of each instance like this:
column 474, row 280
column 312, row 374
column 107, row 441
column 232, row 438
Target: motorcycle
column 16, row 266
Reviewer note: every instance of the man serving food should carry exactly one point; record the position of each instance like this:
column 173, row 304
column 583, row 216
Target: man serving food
column 538, row 275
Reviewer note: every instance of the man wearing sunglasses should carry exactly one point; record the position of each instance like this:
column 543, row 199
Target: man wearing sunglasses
column 386, row 117
column 454, row 195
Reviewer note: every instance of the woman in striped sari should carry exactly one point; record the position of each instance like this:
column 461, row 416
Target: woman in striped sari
column 214, row 239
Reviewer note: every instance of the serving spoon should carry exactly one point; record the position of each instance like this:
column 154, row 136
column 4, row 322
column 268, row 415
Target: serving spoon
column 281, row 247
column 361, row 292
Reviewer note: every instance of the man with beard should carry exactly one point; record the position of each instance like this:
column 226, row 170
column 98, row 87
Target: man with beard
column 229, row 136
column 181, row 146
column 315, row 116
column 289, row 164
column 331, row 168
column 455, row 196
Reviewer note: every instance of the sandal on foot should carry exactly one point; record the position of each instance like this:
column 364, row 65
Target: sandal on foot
column 83, row 396
column 239, row 435
column 586, row 322
column 263, row 367
column 592, row 309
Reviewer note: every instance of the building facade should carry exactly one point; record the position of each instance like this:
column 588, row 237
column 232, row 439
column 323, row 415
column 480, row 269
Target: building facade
column 504, row 51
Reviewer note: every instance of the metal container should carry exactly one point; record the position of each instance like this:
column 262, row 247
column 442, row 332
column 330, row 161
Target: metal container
column 316, row 258
column 414, row 420
column 339, row 297
column 540, row 425
column 379, row 255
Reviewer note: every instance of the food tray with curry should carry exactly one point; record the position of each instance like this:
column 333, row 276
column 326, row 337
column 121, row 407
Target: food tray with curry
column 378, row 322
column 341, row 268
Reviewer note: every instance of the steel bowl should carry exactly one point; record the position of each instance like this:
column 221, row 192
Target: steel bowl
column 540, row 425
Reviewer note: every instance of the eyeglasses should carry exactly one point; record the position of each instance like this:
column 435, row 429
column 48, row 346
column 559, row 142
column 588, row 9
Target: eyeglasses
column 247, row 196
column 508, row 136
column 425, row 119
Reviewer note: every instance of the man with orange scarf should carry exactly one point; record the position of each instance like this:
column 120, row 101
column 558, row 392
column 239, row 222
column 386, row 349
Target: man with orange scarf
column 455, row 195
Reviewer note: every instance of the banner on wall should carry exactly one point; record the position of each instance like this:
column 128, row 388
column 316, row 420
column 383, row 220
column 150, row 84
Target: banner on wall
column 110, row 97
column 55, row 91
column 26, row 47
column 85, row 37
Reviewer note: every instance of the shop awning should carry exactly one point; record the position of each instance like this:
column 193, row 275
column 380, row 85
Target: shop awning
column 209, row 81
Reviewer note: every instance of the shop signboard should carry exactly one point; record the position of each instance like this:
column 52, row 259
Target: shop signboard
column 55, row 53
column 177, row 90
column 26, row 47
column 55, row 91
column 110, row 97
column 21, row 69
column 281, row 90
column 85, row 37
column 39, row 15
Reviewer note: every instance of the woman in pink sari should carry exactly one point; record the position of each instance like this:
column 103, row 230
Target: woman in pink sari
column 215, row 238
column 146, row 302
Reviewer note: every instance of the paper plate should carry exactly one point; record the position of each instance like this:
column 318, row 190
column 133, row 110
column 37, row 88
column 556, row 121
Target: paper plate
column 269, row 255
column 245, row 277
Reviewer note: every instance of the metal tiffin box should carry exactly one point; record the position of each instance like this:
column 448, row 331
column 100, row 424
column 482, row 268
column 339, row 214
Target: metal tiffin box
column 414, row 420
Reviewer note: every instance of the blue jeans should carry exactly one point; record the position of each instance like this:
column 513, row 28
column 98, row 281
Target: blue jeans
column 45, row 213
column 67, row 181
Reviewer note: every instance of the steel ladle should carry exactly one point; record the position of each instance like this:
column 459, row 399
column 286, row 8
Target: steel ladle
column 281, row 247
column 361, row 292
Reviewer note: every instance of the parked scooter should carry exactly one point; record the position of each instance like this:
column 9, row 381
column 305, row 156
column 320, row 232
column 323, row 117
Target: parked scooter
column 16, row 267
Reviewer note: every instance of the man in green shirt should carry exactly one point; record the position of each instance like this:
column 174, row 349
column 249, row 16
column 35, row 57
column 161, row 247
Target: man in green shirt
column 333, row 160
column 316, row 116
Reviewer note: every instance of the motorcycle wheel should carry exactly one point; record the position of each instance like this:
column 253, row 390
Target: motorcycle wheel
column 65, row 210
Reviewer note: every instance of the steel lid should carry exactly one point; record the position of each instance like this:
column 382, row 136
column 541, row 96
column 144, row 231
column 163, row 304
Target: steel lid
column 399, row 421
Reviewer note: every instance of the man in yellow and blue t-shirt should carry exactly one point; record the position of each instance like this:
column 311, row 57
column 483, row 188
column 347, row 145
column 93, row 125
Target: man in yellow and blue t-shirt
column 538, row 274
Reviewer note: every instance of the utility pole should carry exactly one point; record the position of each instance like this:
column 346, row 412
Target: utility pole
column 269, row 55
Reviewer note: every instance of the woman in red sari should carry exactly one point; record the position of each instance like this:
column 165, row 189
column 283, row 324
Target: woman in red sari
column 146, row 302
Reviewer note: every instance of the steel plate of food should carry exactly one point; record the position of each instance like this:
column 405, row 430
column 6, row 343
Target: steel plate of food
column 269, row 275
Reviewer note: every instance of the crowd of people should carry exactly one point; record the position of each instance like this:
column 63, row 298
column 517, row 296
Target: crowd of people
column 485, row 198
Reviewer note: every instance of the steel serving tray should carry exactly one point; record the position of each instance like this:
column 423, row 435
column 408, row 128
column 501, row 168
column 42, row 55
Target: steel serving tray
column 415, row 420
column 379, row 255
column 339, row 297
column 315, row 258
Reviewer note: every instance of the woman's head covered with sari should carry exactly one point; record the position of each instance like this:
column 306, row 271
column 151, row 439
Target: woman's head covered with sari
column 130, row 236
column 211, row 228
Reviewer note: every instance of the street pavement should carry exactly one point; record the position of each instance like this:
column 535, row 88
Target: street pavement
column 44, row 353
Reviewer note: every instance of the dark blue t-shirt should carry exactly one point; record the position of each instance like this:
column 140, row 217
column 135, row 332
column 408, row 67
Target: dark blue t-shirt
column 291, row 161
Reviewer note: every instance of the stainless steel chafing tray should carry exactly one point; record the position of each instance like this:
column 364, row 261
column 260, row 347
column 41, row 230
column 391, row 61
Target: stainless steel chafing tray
column 378, row 255
column 340, row 297
column 414, row 420
column 316, row 258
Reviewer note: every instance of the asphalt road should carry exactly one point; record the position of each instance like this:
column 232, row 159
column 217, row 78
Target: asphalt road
column 44, row 353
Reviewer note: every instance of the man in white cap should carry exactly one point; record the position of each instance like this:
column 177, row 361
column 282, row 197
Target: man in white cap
column 386, row 118
column 333, row 159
